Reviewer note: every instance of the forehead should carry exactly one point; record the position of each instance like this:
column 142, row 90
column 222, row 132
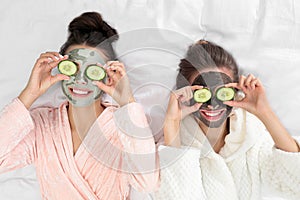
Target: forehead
column 223, row 70
column 86, row 55
column 212, row 79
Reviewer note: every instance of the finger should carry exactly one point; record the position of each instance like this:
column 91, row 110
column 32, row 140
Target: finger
column 112, row 62
column 55, row 63
column 196, row 87
column 59, row 77
column 103, row 87
column 233, row 85
column 118, row 68
column 117, row 63
column 47, row 60
column 258, row 82
column 190, row 109
column 242, row 82
column 109, row 72
column 52, row 56
column 253, row 84
column 195, row 107
column 50, row 65
column 40, row 62
column 188, row 92
column 182, row 99
column 109, row 81
column 248, row 80
column 185, row 91
column 114, row 75
column 176, row 94
column 100, row 65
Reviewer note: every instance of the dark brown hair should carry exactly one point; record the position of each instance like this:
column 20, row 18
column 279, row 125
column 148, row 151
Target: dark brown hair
column 203, row 55
column 90, row 29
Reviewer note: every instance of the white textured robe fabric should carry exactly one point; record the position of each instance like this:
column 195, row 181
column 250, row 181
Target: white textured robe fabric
column 247, row 160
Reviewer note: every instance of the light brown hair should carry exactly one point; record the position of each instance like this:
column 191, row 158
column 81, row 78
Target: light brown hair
column 203, row 55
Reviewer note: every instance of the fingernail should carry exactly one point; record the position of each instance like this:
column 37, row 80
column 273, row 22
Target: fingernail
column 56, row 58
column 60, row 56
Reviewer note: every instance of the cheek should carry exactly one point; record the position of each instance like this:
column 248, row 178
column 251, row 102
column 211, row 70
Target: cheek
column 65, row 83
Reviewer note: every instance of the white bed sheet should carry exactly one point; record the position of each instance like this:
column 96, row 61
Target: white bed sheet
column 154, row 35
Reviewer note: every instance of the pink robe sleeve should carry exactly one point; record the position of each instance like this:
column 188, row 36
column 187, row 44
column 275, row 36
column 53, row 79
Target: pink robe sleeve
column 16, row 137
column 139, row 153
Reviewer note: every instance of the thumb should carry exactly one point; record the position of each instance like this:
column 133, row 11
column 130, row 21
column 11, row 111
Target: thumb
column 190, row 109
column 102, row 86
column 59, row 77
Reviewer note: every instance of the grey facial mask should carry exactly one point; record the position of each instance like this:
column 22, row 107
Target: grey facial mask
column 212, row 80
column 80, row 90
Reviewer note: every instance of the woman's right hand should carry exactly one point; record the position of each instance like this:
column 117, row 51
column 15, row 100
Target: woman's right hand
column 41, row 78
column 177, row 110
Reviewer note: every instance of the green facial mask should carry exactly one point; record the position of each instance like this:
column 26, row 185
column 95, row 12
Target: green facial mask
column 79, row 88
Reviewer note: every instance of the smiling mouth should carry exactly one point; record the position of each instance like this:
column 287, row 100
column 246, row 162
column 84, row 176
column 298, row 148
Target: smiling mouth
column 212, row 115
column 80, row 92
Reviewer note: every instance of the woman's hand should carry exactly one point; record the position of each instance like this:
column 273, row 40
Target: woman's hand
column 41, row 79
column 117, row 86
column 177, row 110
column 255, row 100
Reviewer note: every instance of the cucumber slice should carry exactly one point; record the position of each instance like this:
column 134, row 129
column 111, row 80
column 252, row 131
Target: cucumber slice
column 202, row 95
column 225, row 94
column 95, row 73
column 67, row 67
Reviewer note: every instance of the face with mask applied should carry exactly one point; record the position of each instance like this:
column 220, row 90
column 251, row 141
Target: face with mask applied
column 79, row 89
column 213, row 112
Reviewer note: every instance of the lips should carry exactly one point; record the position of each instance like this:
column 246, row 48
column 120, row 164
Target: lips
column 212, row 115
column 79, row 92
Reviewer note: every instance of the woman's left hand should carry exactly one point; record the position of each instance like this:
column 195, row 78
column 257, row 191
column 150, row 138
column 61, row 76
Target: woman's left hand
column 255, row 100
column 117, row 86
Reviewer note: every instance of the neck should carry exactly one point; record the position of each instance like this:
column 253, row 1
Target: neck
column 216, row 136
column 82, row 118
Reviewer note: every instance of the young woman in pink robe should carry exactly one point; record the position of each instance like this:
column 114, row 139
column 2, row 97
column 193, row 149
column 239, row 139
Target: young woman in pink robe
column 81, row 150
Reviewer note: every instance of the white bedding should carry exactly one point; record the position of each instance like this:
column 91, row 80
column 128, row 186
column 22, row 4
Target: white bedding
column 263, row 35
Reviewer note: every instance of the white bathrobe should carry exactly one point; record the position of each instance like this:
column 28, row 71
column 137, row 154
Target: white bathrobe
column 247, row 160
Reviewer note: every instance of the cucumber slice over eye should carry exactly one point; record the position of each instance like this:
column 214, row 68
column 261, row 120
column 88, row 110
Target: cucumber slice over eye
column 225, row 94
column 95, row 73
column 202, row 95
column 67, row 67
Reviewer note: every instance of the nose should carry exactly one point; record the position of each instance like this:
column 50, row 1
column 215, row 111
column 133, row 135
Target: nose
column 80, row 79
column 215, row 106
column 213, row 103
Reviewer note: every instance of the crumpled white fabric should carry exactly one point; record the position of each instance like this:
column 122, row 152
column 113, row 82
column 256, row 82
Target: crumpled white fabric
column 261, row 34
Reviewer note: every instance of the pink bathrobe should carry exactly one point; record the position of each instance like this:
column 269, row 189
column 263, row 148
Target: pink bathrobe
column 108, row 161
